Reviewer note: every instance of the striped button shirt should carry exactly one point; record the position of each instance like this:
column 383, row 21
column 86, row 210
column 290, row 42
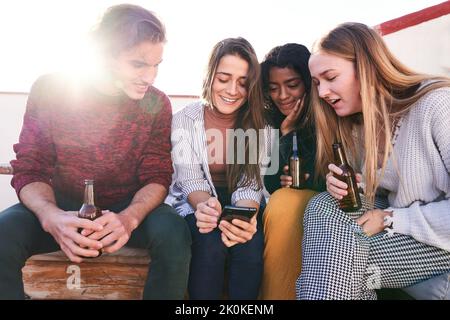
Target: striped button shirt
column 190, row 161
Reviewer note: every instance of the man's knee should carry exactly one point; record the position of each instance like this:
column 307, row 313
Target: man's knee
column 167, row 228
column 17, row 226
column 17, row 221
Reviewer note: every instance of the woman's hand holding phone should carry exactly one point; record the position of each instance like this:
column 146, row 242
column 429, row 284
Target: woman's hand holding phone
column 237, row 231
column 207, row 214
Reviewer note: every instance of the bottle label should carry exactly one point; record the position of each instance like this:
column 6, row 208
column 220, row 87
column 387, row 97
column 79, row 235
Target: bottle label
column 352, row 201
column 88, row 212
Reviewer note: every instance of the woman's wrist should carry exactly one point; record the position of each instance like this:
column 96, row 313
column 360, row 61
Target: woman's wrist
column 388, row 220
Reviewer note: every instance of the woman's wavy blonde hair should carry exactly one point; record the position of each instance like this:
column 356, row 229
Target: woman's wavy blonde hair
column 388, row 90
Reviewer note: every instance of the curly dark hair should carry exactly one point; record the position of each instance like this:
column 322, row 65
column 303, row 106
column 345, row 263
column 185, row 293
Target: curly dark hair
column 294, row 56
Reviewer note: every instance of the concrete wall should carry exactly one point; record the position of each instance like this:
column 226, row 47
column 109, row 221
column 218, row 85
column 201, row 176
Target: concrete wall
column 12, row 108
column 424, row 47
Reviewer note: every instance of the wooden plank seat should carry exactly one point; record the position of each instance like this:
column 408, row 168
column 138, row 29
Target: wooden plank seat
column 120, row 275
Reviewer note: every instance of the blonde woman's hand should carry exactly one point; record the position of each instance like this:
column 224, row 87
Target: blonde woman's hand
column 335, row 187
column 288, row 123
column 372, row 221
column 207, row 214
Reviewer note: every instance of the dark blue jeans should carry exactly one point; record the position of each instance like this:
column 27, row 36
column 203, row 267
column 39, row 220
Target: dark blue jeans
column 211, row 259
column 163, row 232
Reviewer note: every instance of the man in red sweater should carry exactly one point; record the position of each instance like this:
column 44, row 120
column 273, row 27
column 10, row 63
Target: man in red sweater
column 113, row 127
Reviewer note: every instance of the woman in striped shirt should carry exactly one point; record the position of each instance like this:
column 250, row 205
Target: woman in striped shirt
column 216, row 155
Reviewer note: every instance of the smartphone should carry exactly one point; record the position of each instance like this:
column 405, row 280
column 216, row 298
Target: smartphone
column 233, row 212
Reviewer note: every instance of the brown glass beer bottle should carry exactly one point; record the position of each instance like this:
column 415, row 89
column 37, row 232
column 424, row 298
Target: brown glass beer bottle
column 88, row 210
column 352, row 201
column 295, row 165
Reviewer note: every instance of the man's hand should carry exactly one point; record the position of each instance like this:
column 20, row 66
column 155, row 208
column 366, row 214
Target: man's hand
column 207, row 214
column 64, row 226
column 117, row 229
column 372, row 221
column 39, row 198
column 238, row 231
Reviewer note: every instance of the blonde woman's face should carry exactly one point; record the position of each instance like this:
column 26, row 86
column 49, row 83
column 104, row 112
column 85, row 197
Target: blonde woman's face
column 229, row 90
column 336, row 82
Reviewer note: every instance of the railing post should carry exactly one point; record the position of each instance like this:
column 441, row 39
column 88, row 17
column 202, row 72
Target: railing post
column 5, row 168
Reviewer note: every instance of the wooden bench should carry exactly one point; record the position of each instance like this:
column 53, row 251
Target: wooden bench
column 120, row 275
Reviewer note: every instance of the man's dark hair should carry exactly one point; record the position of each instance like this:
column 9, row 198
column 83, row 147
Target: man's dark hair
column 125, row 26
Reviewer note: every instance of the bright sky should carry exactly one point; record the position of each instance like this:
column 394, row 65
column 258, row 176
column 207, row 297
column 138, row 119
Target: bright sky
column 41, row 36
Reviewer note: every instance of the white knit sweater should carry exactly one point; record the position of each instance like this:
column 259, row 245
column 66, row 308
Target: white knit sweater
column 420, row 198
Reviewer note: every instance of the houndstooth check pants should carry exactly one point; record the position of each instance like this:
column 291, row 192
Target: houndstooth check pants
column 340, row 262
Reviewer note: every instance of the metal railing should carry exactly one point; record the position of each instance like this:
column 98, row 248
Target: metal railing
column 5, row 168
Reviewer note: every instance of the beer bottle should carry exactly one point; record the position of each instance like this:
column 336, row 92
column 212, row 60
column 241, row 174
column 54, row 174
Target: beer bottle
column 295, row 165
column 88, row 210
column 352, row 201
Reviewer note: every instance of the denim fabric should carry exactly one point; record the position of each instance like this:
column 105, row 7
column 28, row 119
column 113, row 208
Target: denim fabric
column 212, row 260
column 163, row 233
column 436, row 288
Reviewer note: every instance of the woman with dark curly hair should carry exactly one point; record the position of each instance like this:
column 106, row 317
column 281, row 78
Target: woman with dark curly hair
column 207, row 177
column 286, row 84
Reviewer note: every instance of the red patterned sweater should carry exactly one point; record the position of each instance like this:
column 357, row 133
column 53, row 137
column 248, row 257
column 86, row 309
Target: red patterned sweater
column 72, row 132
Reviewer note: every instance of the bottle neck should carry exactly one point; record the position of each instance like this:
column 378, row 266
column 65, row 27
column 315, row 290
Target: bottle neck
column 294, row 145
column 89, row 194
column 339, row 155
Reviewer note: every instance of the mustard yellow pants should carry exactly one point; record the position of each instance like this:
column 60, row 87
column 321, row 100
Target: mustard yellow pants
column 283, row 232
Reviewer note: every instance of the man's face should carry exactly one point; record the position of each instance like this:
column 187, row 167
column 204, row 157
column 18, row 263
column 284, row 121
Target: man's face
column 134, row 70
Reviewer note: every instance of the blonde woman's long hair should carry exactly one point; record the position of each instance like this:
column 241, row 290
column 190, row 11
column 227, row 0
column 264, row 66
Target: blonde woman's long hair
column 388, row 90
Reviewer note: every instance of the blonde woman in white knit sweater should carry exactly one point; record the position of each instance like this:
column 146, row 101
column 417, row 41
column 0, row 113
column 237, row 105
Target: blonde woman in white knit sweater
column 395, row 127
